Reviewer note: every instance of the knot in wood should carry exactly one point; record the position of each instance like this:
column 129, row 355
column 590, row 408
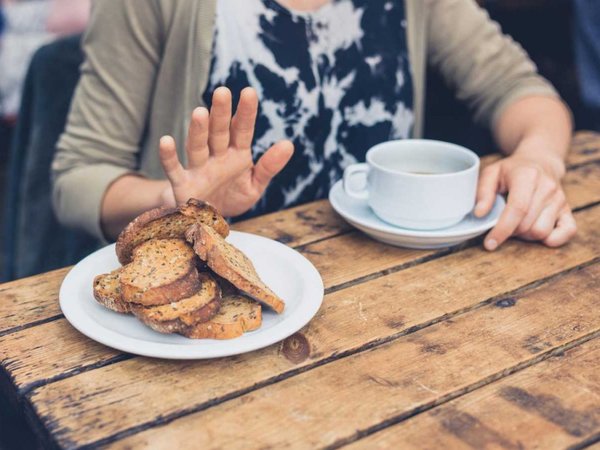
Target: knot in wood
column 296, row 348
column 506, row 302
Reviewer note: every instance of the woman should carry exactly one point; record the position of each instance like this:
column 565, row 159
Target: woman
column 332, row 77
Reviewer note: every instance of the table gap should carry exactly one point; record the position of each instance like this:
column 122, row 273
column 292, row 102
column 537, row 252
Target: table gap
column 587, row 443
column 30, row 325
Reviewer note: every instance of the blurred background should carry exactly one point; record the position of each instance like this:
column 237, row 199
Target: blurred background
column 40, row 56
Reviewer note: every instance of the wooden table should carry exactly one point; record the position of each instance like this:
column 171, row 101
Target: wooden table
column 452, row 348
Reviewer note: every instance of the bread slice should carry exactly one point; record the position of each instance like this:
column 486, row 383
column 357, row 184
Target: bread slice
column 178, row 316
column 107, row 291
column 164, row 223
column 162, row 271
column 238, row 315
column 230, row 263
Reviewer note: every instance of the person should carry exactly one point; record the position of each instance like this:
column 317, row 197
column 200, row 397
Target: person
column 332, row 78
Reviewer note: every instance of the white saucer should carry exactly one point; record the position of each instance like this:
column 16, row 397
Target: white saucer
column 359, row 214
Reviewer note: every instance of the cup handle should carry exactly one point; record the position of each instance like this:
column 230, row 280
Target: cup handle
column 349, row 172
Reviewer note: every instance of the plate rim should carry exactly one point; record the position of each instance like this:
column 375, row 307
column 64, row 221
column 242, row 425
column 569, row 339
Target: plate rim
column 383, row 227
column 189, row 351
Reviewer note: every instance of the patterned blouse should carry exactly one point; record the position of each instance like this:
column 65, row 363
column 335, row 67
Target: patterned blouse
column 335, row 82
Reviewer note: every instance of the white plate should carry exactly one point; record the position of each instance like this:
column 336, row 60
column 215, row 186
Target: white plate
column 359, row 214
column 284, row 270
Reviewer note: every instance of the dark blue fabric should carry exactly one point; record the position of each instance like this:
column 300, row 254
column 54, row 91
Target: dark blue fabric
column 33, row 240
column 2, row 20
column 587, row 52
column 287, row 37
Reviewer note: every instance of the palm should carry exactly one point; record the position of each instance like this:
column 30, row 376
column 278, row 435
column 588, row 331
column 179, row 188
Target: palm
column 220, row 167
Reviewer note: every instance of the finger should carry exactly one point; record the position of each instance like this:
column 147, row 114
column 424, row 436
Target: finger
column 487, row 190
column 543, row 197
column 197, row 140
column 271, row 163
column 520, row 193
column 242, row 124
column 566, row 228
column 220, row 120
column 169, row 160
column 546, row 222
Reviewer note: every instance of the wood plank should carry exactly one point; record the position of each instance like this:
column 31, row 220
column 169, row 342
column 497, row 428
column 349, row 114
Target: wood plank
column 29, row 300
column 343, row 259
column 585, row 147
column 112, row 399
column 31, row 357
column 551, row 405
column 340, row 401
column 594, row 446
column 579, row 182
column 339, row 259
column 296, row 226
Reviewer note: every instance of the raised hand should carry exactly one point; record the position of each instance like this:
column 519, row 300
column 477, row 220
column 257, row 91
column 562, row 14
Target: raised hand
column 220, row 169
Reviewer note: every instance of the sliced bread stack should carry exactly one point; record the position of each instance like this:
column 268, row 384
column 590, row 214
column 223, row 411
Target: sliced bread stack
column 180, row 275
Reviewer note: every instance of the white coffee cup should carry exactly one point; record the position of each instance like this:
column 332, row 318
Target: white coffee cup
column 416, row 183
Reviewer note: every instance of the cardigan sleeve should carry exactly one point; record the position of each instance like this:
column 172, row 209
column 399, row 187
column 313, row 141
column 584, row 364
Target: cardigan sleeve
column 486, row 69
column 105, row 126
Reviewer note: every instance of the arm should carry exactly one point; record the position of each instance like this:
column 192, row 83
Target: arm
column 109, row 112
column 95, row 182
column 535, row 132
column 494, row 76
column 128, row 197
column 536, row 127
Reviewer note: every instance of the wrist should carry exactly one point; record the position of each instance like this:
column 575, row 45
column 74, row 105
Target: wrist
column 165, row 196
column 544, row 153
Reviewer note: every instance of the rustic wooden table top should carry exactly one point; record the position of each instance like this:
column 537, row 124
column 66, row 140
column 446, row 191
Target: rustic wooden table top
column 452, row 348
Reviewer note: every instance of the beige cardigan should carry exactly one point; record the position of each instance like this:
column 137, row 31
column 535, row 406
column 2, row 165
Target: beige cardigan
column 147, row 64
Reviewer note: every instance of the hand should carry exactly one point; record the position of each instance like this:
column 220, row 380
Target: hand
column 220, row 169
column 536, row 208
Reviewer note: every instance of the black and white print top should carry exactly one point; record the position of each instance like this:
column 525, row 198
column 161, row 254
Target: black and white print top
column 335, row 82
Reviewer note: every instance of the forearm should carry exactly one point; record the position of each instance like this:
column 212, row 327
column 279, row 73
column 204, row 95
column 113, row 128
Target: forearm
column 126, row 198
column 536, row 127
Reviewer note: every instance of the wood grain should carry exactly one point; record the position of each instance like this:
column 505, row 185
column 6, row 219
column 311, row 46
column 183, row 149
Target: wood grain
column 339, row 259
column 34, row 299
column 352, row 319
column 551, row 405
column 50, row 350
column 300, row 225
column 355, row 258
column 337, row 402
column 585, row 147
column 109, row 400
column 580, row 183
column 30, row 300
column 595, row 445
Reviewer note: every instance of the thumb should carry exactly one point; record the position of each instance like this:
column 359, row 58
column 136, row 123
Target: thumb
column 271, row 163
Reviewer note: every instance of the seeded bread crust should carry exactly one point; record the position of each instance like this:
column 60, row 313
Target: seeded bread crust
column 238, row 315
column 178, row 316
column 107, row 291
column 164, row 223
column 162, row 271
column 230, row 263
